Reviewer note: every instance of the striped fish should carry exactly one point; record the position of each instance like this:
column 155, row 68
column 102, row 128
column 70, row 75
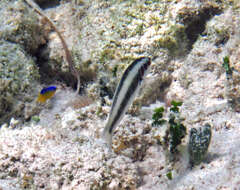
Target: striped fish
column 124, row 94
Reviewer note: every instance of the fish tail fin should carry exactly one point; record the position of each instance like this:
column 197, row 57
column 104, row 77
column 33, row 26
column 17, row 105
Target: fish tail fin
column 107, row 137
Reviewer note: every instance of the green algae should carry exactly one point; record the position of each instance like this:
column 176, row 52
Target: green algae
column 176, row 130
column 157, row 116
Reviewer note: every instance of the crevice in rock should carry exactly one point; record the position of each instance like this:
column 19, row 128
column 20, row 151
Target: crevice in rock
column 49, row 74
column 44, row 4
column 164, row 88
column 46, row 72
column 195, row 22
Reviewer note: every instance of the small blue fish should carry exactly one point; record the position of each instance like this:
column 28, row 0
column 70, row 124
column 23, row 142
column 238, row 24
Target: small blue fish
column 124, row 95
column 46, row 93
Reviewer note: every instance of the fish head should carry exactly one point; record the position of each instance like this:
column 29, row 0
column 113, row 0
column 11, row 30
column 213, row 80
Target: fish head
column 145, row 67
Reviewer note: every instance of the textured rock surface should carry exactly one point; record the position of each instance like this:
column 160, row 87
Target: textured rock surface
column 18, row 80
column 20, row 25
column 67, row 154
column 188, row 40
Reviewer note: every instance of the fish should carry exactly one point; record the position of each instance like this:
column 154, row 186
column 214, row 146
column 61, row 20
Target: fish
column 124, row 95
column 46, row 93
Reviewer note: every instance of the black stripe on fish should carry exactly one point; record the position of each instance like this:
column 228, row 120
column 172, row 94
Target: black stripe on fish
column 135, row 83
column 126, row 73
column 130, row 91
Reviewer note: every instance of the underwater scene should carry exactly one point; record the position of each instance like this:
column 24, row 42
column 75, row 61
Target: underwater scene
column 120, row 94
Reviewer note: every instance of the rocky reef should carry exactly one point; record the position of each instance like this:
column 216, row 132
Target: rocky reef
column 18, row 78
column 58, row 145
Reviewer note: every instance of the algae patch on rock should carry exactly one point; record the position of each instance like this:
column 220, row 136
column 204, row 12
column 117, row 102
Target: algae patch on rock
column 20, row 25
column 18, row 80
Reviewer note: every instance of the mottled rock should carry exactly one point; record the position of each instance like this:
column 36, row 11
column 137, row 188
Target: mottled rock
column 187, row 40
column 233, row 90
column 18, row 78
column 51, row 159
column 194, row 16
column 19, row 24
column 199, row 141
